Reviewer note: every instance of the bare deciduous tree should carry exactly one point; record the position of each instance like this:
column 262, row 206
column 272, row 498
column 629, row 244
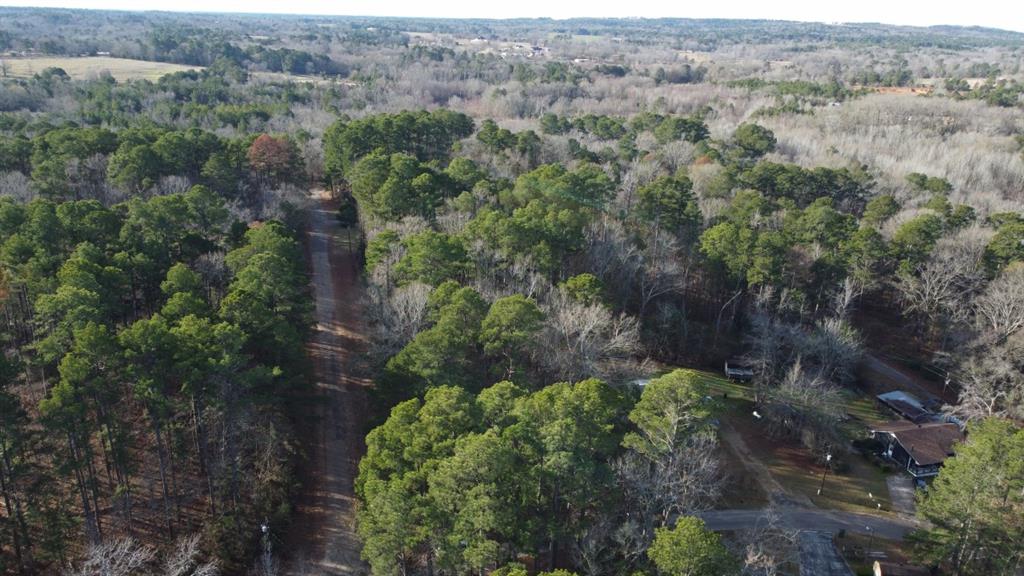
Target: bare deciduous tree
column 1000, row 308
column 991, row 381
column 17, row 186
column 767, row 547
column 586, row 340
column 662, row 270
column 612, row 256
column 835, row 349
column 805, row 406
column 397, row 316
column 117, row 558
column 639, row 174
column 184, row 560
column 128, row 557
column 845, row 297
column 682, row 480
column 942, row 287
column 593, row 550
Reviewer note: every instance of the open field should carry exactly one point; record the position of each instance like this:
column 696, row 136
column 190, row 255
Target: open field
column 859, row 407
column 85, row 67
column 285, row 77
column 123, row 69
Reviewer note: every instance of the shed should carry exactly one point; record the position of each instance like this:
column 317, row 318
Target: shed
column 906, row 405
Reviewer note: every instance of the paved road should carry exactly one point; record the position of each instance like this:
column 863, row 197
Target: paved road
column 798, row 518
column 325, row 542
column 819, row 557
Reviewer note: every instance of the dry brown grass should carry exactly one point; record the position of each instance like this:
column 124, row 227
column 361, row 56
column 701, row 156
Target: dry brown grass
column 86, row 67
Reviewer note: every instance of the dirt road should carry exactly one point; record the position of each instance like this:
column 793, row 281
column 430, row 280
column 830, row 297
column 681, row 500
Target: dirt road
column 776, row 493
column 324, row 540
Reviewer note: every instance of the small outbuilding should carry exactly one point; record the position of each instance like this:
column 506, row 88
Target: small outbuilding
column 736, row 369
column 906, row 405
column 919, row 448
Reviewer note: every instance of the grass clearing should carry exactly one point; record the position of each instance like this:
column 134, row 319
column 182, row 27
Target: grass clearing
column 864, row 408
column 304, row 78
column 86, row 67
column 720, row 385
column 860, row 487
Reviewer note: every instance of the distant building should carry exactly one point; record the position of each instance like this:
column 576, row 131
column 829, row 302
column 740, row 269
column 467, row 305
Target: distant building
column 919, row 448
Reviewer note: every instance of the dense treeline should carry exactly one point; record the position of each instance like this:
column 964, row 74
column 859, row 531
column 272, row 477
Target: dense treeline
column 202, row 47
column 479, row 481
column 576, row 269
column 138, row 334
column 73, row 162
column 215, row 97
column 425, row 135
column 154, row 320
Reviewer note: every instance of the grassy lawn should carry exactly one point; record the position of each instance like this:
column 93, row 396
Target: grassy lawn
column 85, row 67
column 864, row 414
column 800, row 474
column 864, row 408
column 792, row 465
column 721, row 385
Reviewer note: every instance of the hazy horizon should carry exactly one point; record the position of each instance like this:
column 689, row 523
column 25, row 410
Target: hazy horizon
column 985, row 13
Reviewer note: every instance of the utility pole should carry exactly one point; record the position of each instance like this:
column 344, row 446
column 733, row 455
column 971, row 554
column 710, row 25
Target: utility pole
column 828, row 459
column 268, row 567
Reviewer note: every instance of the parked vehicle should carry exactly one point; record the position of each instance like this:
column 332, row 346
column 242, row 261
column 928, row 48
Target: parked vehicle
column 735, row 369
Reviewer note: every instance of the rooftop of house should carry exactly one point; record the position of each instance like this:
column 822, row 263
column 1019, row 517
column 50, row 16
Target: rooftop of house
column 927, row 443
column 905, row 404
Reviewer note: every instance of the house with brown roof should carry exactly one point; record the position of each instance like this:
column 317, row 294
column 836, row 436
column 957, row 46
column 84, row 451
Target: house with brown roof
column 919, row 448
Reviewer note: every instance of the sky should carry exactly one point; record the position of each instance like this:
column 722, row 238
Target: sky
column 1005, row 14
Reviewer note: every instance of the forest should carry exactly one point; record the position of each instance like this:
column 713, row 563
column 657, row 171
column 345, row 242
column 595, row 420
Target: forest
column 562, row 230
